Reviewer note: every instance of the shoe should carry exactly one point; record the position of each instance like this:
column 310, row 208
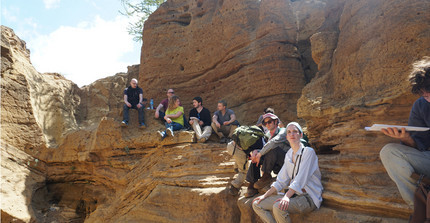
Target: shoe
column 169, row 130
column 236, row 170
column 251, row 192
column 124, row 123
column 162, row 134
column 202, row 140
column 233, row 190
column 262, row 182
column 142, row 125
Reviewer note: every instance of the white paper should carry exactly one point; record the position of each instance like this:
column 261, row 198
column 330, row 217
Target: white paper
column 378, row 127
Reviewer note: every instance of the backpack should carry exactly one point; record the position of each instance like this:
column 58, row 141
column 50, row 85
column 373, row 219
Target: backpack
column 245, row 136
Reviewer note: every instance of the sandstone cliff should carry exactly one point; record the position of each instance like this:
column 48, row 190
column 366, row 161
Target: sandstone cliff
column 66, row 159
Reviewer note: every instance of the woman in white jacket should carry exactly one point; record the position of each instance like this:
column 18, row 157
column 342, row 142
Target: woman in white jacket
column 300, row 174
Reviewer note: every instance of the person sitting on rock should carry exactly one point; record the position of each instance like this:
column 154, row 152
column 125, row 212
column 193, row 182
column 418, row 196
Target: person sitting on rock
column 260, row 119
column 269, row 158
column 200, row 118
column 133, row 99
column 413, row 154
column 163, row 105
column 300, row 174
column 224, row 122
column 174, row 117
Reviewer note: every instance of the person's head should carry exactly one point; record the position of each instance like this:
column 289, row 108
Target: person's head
column 197, row 101
column 133, row 83
column 420, row 78
column 173, row 102
column 170, row 93
column 271, row 121
column 222, row 105
column 269, row 110
column 294, row 132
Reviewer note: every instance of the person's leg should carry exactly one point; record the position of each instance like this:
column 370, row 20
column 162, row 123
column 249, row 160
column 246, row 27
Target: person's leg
column 231, row 130
column 207, row 131
column 241, row 160
column 400, row 162
column 253, row 173
column 216, row 130
column 264, row 208
column 197, row 129
column 125, row 115
column 141, row 113
column 298, row 205
column 274, row 157
column 176, row 126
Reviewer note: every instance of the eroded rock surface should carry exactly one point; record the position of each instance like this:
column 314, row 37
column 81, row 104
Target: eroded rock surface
column 66, row 158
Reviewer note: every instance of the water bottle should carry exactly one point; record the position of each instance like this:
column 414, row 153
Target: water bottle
column 151, row 103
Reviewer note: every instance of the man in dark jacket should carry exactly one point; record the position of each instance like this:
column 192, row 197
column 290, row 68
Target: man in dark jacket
column 133, row 99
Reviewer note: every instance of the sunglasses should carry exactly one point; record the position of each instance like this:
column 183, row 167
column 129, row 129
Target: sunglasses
column 171, row 92
column 268, row 122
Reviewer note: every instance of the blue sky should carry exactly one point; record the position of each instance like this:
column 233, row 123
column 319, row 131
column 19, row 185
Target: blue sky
column 84, row 40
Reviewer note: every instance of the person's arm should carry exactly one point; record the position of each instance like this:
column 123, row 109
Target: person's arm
column 215, row 120
column 140, row 104
column 272, row 143
column 176, row 115
column 157, row 114
column 271, row 191
column 126, row 101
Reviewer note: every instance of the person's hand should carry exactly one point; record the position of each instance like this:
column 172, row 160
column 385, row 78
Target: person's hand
column 168, row 120
column 201, row 123
column 254, row 156
column 257, row 158
column 259, row 199
column 139, row 105
column 284, row 202
column 191, row 122
column 395, row 133
column 156, row 115
column 226, row 123
column 128, row 104
column 218, row 125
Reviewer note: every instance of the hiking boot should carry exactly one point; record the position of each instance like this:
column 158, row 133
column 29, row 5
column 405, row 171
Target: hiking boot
column 124, row 123
column 142, row 125
column 169, row 130
column 233, row 190
column 264, row 181
column 162, row 134
column 202, row 140
column 251, row 192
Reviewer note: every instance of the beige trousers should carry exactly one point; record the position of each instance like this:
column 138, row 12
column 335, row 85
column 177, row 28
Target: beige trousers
column 206, row 133
column 224, row 131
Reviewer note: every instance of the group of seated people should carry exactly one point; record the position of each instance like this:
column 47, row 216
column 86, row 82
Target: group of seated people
column 298, row 187
column 171, row 112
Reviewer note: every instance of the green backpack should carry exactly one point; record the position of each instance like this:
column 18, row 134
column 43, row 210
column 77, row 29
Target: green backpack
column 245, row 136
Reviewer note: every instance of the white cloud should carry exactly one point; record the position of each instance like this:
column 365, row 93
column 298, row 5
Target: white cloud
column 85, row 53
column 49, row 4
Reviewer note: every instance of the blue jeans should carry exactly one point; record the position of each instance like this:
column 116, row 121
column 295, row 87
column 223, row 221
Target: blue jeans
column 174, row 126
column 141, row 112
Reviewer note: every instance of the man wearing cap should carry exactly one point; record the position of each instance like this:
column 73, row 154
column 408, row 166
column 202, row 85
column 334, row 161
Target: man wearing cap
column 200, row 118
column 224, row 122
column 270, row 157
column 133, row 99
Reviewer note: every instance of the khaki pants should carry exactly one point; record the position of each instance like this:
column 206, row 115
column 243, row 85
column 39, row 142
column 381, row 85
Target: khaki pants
column 207, row 130
column 224, row 131
column 299, row 204
column 241, row 162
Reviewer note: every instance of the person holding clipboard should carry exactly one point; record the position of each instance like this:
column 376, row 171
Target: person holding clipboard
column 413, row 154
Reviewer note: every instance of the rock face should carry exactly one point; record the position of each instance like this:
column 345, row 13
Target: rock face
column 362, row 80
column 242, row 51
column 65, row 157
